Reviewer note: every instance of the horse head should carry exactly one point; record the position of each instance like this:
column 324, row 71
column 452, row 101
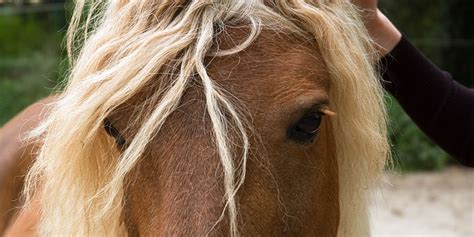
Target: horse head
column 222, row 118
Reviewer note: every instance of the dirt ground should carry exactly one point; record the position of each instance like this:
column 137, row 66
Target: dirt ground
column 426, row 204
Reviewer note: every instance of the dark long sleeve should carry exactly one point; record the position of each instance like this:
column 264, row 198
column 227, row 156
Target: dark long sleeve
column 441, row 107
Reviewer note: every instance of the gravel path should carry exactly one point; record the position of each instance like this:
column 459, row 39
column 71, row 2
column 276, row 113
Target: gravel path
column 426, row 204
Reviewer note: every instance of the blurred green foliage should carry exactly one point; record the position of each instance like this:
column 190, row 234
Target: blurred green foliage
column 441, row 29
column 32, row 81
column 411, row 149
column 20, row 36
column 32, row 63
column 422, row 21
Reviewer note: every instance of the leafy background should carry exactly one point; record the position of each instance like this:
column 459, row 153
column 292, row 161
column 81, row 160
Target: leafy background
column 33, row 62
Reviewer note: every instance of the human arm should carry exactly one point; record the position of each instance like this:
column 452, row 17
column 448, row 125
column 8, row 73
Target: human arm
column 441, row 107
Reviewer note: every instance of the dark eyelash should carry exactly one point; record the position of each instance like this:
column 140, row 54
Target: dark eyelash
column 115, row 133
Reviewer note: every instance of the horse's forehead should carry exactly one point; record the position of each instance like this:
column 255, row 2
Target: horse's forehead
column 273, row 62
column 272, row 55
column 274, row 70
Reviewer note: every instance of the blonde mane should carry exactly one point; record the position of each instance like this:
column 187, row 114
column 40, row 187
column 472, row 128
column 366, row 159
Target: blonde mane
column 122, row 46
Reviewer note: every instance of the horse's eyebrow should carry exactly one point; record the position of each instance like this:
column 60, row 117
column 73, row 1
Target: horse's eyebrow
column 314, row 104
column 115, row 133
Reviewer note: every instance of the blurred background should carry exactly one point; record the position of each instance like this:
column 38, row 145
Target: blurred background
column 33, row 62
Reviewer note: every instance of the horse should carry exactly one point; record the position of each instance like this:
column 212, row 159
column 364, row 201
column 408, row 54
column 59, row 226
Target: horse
column 16, row 155
column 219, row 118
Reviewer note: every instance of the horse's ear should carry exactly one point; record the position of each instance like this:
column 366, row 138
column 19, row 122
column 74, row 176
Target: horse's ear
column 114, row 133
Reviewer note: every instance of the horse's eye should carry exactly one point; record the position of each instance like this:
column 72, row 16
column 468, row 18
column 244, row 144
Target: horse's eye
column 306, row 129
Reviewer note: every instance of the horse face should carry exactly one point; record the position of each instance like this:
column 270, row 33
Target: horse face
column 291, row 185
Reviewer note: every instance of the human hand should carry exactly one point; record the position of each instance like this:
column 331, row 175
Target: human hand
column 366, row 4
column 382, row 31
